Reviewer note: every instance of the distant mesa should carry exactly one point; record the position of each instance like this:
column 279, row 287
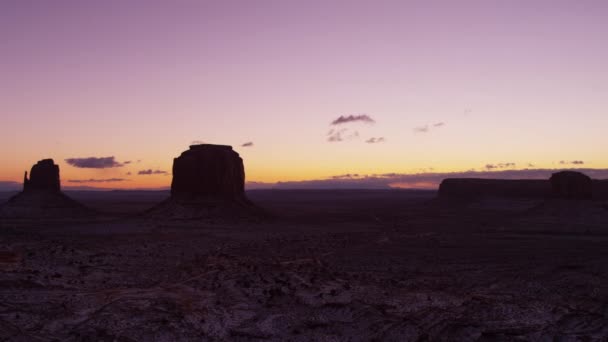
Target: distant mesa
column 42, row 197
column 562, row 185
column 208, row 183
column 571, row 185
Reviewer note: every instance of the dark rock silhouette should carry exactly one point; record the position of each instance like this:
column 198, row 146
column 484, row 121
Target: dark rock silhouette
column 208, row 183
column 42, row 197
column 44, row 176
column 561, row 185
column 208, row 171
column 571, row 185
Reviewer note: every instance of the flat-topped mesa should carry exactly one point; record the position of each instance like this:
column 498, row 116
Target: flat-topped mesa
column 571, row 185
column 44, row 176
column 208, row 171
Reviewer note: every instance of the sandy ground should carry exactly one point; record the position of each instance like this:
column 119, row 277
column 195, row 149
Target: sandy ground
column 331, row 266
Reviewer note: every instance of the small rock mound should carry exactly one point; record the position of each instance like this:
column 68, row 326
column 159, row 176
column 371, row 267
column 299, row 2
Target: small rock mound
column 42, row 197
column 571, row 185
column 208, row 183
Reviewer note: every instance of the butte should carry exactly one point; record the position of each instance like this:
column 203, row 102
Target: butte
column 42, row 197
column 208, row 183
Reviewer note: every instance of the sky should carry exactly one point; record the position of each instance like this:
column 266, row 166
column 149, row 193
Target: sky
column 303, row 90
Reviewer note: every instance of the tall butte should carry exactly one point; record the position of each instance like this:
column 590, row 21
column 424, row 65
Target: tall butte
column 208, row 172
column 208, row 183
column 42, row 197
column 44, row 176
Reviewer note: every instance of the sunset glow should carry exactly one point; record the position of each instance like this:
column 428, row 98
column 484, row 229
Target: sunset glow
column 450, row 86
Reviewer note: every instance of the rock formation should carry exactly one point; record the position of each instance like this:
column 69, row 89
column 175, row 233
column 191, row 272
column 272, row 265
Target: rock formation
column 44, row 176
column 208, row 171
column 571, row 185
column 208, row 183
column 42, row 197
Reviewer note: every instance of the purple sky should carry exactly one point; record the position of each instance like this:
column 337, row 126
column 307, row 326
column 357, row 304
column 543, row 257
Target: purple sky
column 451, row 85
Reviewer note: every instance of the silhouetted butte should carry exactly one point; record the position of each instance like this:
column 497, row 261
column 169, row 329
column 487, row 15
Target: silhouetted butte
column 42, row 196
column 208, row 171
column 208, row 183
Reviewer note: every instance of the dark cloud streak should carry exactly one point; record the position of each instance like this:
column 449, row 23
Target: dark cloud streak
column 152, row 172
column 92, row 180
column 353, row 118
column 94, row 162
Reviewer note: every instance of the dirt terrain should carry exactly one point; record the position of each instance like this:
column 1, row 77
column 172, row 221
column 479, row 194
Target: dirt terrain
column 328, row 266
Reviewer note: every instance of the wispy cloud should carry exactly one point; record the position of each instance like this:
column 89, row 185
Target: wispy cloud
column 353, row 118
column 499, row 166
column 422, row 129
column 573, row 162
column 247, row 144
column 341, row 135
column 427, row 128
column 93, row 180
column 94, row 162
column 375, row 140
column 152, row 172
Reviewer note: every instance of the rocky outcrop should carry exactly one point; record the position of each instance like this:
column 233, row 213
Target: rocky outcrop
column 475, row 188
column 208, row 171
column 42, row 197
column 208, row 183
column 571, row 185
column 44, row 176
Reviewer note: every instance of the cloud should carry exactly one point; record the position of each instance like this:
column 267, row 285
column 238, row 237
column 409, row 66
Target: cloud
column 375, row 140
column 247, row 144
column 424, row 180
column 574, row 162
column 499, row 166
column 427, row 128
column 353, row 118
column 340, row 135
column 197, row 142
column 94, row 162
column 152, row 172
column 335, row 135
column 127, row 162
column 422, row 129
column 92, row 180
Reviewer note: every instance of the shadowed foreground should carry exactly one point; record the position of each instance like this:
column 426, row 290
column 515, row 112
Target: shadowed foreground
column 333, row 266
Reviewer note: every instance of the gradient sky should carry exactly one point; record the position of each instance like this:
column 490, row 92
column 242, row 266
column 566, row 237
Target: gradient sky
column 522, row 82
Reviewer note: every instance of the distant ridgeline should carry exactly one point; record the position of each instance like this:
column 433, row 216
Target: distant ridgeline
column 565, row 184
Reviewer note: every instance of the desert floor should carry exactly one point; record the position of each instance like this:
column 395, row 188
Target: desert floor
column 329, row 266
